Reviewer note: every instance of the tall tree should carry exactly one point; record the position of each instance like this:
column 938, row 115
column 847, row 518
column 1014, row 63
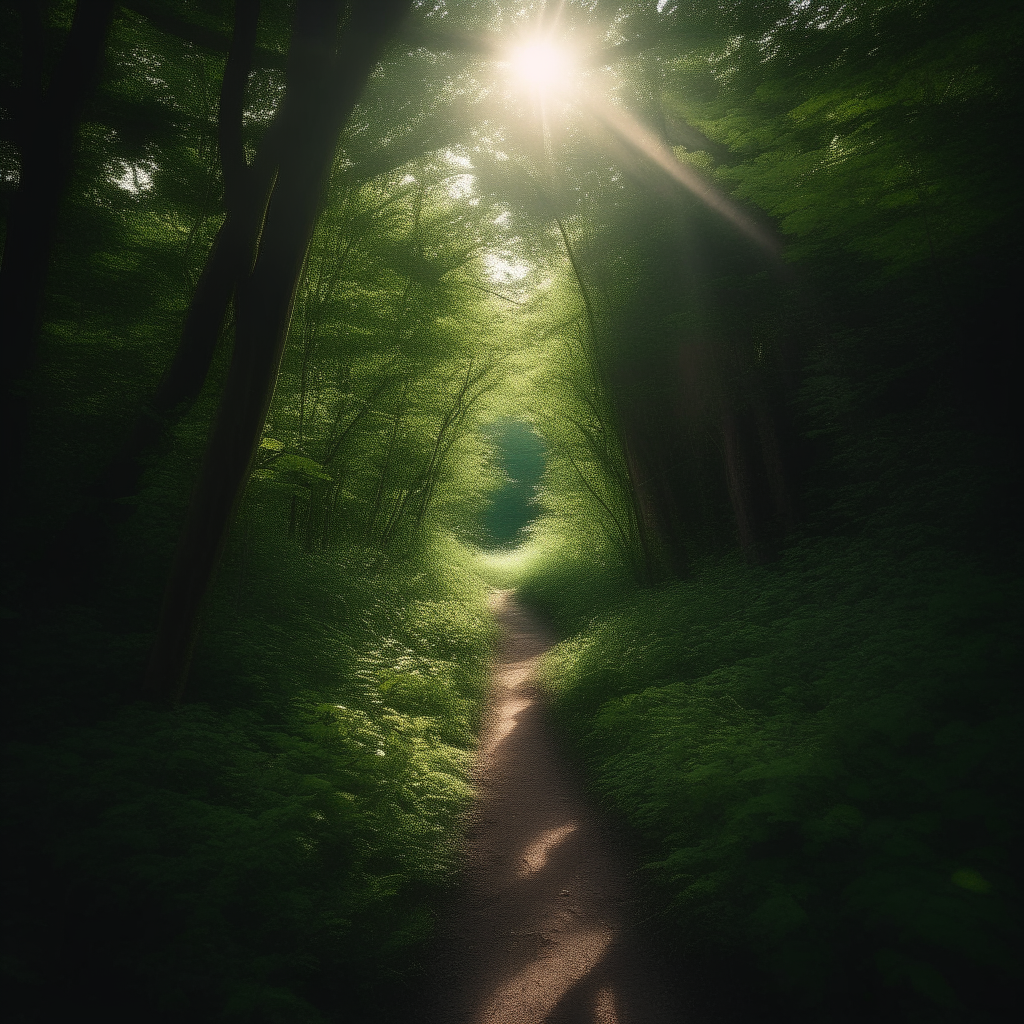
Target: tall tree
column 328, row 66
column 246, row 192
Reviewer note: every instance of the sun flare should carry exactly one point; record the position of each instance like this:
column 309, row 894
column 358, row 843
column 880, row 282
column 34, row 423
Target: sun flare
column 542, row 66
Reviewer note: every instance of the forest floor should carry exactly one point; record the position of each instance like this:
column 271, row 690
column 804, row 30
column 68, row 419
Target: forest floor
column 541, row 927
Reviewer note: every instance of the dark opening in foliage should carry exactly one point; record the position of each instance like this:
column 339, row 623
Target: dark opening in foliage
column 513, row 504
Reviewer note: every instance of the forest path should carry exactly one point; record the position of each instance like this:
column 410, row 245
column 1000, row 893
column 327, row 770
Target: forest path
column 540, row 929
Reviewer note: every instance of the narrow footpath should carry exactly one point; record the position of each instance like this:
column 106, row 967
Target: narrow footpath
column 540, row 929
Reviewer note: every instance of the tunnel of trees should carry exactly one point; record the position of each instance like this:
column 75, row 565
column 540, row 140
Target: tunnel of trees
column 692, row 321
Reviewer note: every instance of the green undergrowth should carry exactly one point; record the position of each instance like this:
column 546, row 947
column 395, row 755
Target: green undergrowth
column 820, row 760
column 268, row 850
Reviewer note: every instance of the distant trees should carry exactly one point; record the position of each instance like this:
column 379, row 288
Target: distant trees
column 397, row 350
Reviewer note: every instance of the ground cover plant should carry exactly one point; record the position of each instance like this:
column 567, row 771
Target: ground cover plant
column 817, row 759
column 275, row 847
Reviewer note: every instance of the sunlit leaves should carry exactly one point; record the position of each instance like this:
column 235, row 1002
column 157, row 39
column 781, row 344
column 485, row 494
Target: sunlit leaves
column 862, row 127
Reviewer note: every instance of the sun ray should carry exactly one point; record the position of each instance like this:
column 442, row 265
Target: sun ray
column 551, row 69
column 646, row 144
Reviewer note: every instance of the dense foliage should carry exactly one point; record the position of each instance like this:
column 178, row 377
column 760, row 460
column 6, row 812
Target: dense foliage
column 301, row 299
column 818, row 760
column 273, row 848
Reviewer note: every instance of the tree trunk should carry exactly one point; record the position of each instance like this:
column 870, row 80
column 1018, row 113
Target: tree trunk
column 86, row 540
column 246, row 193
column 47, row 136
column 324, row 83
column 738, row 482
column 601, row 377
column 774, row 468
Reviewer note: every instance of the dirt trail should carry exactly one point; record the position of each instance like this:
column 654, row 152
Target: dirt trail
column 540, row 929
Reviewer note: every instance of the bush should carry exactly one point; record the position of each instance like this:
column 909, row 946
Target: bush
column 271, row 851
column 819, row 760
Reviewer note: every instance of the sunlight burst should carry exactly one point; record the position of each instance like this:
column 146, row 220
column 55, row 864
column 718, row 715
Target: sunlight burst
column 542, row 66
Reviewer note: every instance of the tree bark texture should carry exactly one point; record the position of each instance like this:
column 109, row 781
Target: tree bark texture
column 324, row 82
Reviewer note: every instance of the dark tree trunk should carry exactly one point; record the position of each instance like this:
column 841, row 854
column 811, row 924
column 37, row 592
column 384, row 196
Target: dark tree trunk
column 324, row 83
column 47, row 134
column 775, row 470
column 642, row 514
column 86, row 540
column 246, row 193
column 737, row 481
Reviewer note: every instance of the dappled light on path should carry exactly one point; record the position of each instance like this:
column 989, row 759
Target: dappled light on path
column 540, row 929
column 537, row 854
column 533, row 993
